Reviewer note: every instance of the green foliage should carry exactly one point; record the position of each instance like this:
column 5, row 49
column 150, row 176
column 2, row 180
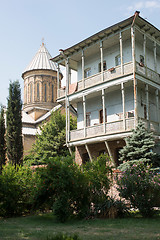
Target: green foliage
column 14, row 125
column 139, row 147
column 69, row 189
column 141, row 186
column 2, row 139
column 16, row 186
column 52, row 140
column 61, row 236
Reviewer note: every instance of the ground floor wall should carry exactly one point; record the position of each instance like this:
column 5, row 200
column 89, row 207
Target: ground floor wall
column 28, row 141
column 96, row 149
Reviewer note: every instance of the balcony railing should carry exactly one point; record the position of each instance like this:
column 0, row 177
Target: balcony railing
column 98, row 130
column 97, row 78
column 147, row 72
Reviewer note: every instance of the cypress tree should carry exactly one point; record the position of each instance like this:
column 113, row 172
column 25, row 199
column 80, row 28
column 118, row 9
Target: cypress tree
column 2, row 139
column 14, row 125
column 139, row 147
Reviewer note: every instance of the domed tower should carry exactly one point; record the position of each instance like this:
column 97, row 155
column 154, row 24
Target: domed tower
column 40, row 84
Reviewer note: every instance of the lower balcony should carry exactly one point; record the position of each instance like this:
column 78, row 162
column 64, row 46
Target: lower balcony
column 101, row 130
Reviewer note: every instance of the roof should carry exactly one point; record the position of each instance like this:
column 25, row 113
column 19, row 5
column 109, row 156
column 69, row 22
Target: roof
column 41, row 61
column 104, row 34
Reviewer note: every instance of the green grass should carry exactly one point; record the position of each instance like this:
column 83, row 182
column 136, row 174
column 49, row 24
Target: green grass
column 41, row 226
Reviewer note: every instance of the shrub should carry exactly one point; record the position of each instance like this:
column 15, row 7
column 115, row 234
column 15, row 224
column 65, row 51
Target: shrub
column 141, row 186
column 15, row 188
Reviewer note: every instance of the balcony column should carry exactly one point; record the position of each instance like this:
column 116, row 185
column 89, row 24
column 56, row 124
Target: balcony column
column 121, row 52
column 83, row 69
column 134, row 76
column 101, row 50
column 144, row 53
column 66, row 99
column 104, row 110
column 84, row 115
column 157, row 107
column 123, row 105
column 58, row 82
column 147, row 104
column 155, row 57
column 109, row 152
column 89, row 153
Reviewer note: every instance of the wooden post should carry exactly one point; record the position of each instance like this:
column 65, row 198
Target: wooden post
column 155, row 57
column 58, row 90
column 123, row 105
column 84, row 115
column 89, row 153
column 157, row 107
column 147, row 104
column 109, row 152
column 144, row 53
column 121, row 52
column 83, row 69
column 66, row 96
column 101, row 50
column 104, row 110
column 134, row 76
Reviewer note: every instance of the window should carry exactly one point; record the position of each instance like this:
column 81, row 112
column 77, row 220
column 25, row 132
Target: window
column 145, row 111
column 31, row 92
column 45, row 92
column 104, row 66
column 141, row 61
column 118, row 60
column 101, row 116
column 88, row 119
column 52, row 93
column 87, row 72
column 37, row 90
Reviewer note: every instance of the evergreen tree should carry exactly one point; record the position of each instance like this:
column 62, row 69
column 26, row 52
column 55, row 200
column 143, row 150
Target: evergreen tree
column 139, row 147
column 52, row 140
column 2, row 139
column 14, row 125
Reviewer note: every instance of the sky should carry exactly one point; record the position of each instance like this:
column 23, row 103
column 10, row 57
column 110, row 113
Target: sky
column 24, row 23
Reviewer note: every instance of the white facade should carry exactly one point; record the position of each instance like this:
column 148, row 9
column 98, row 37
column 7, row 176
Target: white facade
column 118, row 83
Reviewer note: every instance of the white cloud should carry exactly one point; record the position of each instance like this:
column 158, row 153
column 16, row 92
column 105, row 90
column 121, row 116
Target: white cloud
column 148, row 5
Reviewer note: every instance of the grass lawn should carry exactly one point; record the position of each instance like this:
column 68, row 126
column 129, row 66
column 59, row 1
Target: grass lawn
column 41, row 226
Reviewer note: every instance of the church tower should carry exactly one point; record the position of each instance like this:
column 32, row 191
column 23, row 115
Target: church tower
column 40, row 84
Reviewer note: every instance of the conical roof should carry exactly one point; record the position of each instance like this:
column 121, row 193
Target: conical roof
column 41, row 61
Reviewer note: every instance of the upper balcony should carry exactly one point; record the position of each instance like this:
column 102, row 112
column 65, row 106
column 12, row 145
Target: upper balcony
column 109, row 74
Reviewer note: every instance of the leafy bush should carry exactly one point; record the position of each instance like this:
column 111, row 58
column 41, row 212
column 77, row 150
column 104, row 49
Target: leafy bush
column 141, row 186
column 69, row 189
column 61, row 236
column 16, row 186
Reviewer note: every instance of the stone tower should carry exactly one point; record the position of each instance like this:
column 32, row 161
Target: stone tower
column 40, row 84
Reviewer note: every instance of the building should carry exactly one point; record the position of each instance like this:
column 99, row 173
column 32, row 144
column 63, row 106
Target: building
column 118, row 83
column 40, row 94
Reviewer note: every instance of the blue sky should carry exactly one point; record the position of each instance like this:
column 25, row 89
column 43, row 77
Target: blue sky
column 23, row 24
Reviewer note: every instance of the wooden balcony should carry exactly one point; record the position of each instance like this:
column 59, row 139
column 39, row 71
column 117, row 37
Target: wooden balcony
column 98, row 130
column 148, row 73
column 97, row 78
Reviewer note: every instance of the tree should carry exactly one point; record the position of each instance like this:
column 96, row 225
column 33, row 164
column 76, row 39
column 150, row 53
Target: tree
column 14, row 125
column 2, row 139
column 139, row 147
column 52, row 140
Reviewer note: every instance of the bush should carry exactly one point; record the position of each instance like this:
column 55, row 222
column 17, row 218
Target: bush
column 61, row 236
column 16, row 186
column 141, row 186
column 70, row 190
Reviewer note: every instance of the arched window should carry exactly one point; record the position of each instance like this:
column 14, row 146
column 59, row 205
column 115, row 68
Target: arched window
column 52, row 93
column 38, row 91
column 45, row 92
column 31, row 92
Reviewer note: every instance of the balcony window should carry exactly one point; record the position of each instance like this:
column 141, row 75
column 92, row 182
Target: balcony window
column 118, row 60
column 141, row 61
column 87, row 72
column 88, row 119
column 104, row 66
